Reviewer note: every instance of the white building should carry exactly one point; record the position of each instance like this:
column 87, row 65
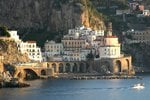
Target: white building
column 52, row 48
column 120, row 12
column 84, row 53
column 111, row 46
column 98, row 42
column 73, row 44
column 57, row 58
column 86, row 31
column 31, row 49
column 141, row 36
column 71, row 56
column 14, row 35
column 146, row 12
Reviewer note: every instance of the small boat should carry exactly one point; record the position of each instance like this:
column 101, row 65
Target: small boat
column 138, row 86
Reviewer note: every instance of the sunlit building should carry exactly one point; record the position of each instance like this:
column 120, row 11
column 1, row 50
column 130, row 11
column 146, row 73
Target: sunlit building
column 31, row 49
column 111, row 46
column 52, row 48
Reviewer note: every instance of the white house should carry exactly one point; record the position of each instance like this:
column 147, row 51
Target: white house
column 31, row 49
column 110, row 48
column 52, row 48
column 14, row 35
column 86, row 31
column 146, row 12
column 71, row 56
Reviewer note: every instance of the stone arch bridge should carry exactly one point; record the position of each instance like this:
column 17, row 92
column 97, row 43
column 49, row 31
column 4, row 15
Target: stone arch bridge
column 122, row 65
column 51, row 68
column 116, row 66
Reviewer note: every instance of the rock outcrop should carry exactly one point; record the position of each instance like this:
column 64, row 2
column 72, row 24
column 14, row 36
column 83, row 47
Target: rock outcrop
column 8, row 49
column 50, row 15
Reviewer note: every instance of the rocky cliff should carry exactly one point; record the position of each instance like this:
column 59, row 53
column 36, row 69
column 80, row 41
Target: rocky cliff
column 8, row 49
column 50, row 15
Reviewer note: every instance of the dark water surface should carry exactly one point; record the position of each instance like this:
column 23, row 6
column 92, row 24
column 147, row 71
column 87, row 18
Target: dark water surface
column 79, row 90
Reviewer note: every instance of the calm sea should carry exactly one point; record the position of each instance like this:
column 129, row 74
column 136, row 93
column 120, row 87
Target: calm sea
column 80, row 90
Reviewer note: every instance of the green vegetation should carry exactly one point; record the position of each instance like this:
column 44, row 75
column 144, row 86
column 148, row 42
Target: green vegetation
column 40, row 36
column 3, row 45
column 90, row 56
column 4, row 31
column 140, row 53
column 57, row 3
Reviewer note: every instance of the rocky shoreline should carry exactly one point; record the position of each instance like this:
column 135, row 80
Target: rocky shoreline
column 13, row 84
column 95, row 77
column 105, row 77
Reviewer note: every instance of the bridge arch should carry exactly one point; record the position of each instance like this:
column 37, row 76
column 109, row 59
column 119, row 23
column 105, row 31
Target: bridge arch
column 75, row 68
column 54, row 67
column 87, row 67
column 61, row 68
column 43, row 72
column 82, row 68
column 118, row 66
column 30, row 74
column 68, row 67
column 48, row 65
column 128, row 64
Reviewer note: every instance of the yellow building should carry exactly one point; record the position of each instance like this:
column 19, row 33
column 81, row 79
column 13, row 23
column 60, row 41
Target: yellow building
column 73, row 44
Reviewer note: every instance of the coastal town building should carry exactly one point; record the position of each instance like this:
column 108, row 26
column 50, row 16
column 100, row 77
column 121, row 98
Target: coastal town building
column 78, row 52
column 73, row 44
column 14, row 35
column 121, row 12
column 28, row 47
column 139, row 36
column 80, row 42
column 31, row 49
column 146, row 12
column 111, row 46
column 52, row 48
column 71, row 56
column 133, row 5
column 86, row 31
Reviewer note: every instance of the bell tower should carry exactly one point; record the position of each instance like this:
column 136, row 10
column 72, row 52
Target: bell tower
column 109, row 29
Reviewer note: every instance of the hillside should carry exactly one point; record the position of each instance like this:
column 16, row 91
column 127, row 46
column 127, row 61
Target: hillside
column 42, row 20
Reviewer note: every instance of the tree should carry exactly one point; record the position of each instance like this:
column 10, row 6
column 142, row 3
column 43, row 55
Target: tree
column 90, row 56
column 4, row 31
